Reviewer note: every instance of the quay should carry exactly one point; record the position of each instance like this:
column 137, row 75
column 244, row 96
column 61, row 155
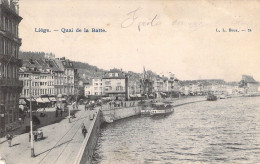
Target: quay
column 63, row 142
column 60, row 144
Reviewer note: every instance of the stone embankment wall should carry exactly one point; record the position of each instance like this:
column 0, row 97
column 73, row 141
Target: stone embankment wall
column 117, row 111
column 87, row 148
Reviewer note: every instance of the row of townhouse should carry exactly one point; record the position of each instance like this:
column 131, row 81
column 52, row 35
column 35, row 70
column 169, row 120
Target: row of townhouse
column 47, row 76
column 118, row 84
column 217, row 86
column 160, row 86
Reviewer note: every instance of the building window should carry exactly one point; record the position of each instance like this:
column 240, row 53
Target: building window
column 119, row 88
column 108, row 88
column 108, row 83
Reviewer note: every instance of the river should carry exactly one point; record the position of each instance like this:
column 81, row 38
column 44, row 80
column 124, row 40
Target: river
column 223, row 131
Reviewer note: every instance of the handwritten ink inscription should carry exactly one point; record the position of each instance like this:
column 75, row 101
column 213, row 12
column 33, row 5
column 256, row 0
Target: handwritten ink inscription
column 133, row 18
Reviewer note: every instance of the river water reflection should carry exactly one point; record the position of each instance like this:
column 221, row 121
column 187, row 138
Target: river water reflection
column 225, row 131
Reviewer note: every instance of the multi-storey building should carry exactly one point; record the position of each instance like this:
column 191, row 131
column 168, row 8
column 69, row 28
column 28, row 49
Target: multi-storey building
column 134, row 83
column 95, row 86
column 10, row 86
column 68, row 69
column 158, row 86
column 58, row 74
column 76, row 82
column 82, row 83
column 115, row 84
column 41, row 77
column 250, row 85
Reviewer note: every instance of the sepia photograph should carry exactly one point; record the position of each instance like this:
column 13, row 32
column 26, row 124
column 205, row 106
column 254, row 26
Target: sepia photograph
column 129, row 81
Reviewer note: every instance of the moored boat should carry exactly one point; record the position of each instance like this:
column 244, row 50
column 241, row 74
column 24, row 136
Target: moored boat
column 146, row 109
column 161, row 109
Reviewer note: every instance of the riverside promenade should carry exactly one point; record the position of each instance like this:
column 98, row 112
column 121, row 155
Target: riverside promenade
column 60, row 144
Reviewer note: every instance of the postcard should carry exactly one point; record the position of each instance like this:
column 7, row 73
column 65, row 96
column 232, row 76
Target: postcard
column 135, row 81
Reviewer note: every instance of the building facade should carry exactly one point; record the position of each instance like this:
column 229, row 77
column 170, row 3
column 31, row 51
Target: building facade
column 69, row 81
column 39, row 75
column 10, row 86
column 249, row 84
column 115, row 84
column 95, row 87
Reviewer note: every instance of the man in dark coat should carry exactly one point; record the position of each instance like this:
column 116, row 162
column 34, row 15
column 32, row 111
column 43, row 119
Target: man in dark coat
column 9, row 138
column 84, row 130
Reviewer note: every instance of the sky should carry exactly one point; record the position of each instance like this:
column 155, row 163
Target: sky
column 164, row 36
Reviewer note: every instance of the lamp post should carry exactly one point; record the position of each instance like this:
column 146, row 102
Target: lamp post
column 69, row 115
column 31, row 123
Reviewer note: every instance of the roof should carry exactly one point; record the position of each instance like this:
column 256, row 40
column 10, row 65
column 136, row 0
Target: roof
column 249, row 79
column 114, row 75
column 85, row 81
column 53, row 65
column 67, row 63
column 59, row 64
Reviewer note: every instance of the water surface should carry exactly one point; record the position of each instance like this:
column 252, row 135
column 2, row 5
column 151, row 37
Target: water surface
column 224, row 131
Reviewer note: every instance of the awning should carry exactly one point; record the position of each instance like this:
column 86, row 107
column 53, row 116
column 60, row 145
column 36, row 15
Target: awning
column 52, row 99
column 106, row 98
column 61, row 99
column 139, row 95
column 22, row 102
column 39, row 100
column 28, row 99
column 42, row 100
column 59, row 95
column 131, row 96
column 45, row 100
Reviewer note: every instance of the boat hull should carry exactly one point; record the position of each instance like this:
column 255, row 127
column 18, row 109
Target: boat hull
column 161, row 112
column 145, row 112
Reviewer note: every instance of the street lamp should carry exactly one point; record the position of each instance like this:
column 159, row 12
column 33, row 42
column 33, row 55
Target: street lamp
column 31, row 123
column 69, row 115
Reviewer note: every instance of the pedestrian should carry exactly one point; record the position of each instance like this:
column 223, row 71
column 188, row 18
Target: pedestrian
column 35, row 135
column 57, row 111
column 61, row 112
column 9, row 138
column 77, row 105
column 84, row 130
